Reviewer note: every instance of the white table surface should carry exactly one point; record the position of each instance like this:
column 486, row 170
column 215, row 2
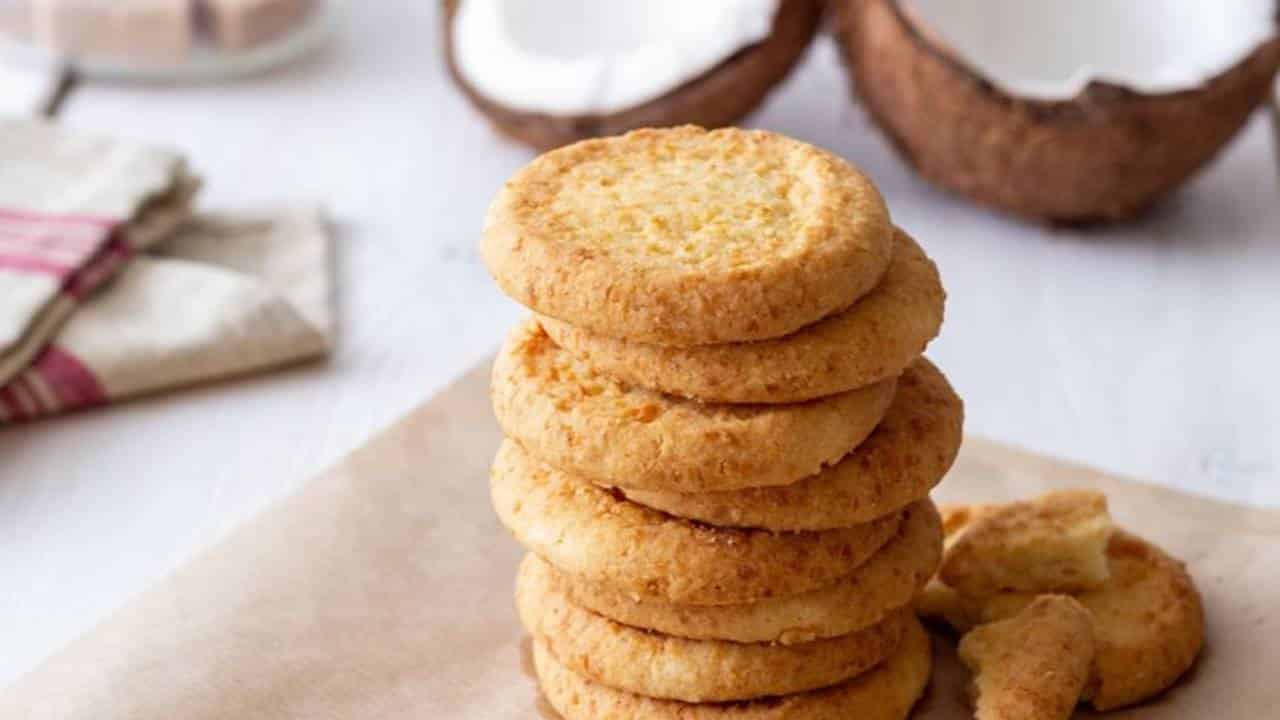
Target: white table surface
column 1150, row 351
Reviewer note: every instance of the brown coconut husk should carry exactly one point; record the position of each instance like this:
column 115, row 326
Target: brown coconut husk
column 1107, row 155
column 721, row 96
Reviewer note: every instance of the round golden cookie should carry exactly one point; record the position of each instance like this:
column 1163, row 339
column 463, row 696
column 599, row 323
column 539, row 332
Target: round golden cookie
column 662, row 666
column 873, row 340
column 595, row 427
column 1148, row 621
column 589, row 531
column 886, row 693
column 680, row 236
column 903, row 459
column 881, row 585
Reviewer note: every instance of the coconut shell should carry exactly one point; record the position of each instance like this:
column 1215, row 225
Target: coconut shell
column 1106, row 155
column 719, row 97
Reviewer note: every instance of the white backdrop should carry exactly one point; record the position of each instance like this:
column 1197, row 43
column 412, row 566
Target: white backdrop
column 1150, row 350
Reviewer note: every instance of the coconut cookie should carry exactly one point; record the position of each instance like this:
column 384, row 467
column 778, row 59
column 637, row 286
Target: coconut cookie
column 660, row 666
column 598, row 428
column 907, row 455
column 1034, row 665
column 591, row 532
column 886, row 693
column 722, row 64
column 1148, row 617
column 873, row 340
column 687, row 237
column 873, row 592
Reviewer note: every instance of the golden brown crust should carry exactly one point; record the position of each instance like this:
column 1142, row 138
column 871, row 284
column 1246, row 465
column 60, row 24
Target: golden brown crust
column 722, row 96
column 1148, row 621
column 1107, row 157
column 1054, row 543
column 903, row 459
column 683, row 237
column 586, row 530
column 661, row 666
column 873, row 340
column 885, row 693
column 885, row 582
column 595, row 427
column 1034, row 665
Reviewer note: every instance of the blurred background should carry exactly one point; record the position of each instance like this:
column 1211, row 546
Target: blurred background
column 1146, row 347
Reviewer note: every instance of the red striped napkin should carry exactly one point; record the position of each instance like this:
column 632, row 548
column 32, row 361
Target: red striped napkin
column 73, row 209
column 86, row 317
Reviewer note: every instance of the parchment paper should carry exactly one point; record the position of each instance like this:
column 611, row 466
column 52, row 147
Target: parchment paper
column 383, row 590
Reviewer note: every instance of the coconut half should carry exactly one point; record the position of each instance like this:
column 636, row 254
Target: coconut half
column 1082, row 111
column 549, row 72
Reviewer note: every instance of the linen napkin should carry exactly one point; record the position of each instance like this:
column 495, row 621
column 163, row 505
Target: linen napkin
column 225, row 296
column 73, row 210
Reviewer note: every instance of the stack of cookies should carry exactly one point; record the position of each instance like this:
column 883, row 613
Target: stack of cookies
column 721, row 436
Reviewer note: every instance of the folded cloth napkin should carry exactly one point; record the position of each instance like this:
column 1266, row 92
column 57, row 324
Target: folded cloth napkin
column 225, row 296
column 73, row 210
column 85, row 318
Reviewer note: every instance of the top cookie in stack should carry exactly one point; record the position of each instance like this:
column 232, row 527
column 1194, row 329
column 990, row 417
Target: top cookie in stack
column 658, row 254
column 721, row 435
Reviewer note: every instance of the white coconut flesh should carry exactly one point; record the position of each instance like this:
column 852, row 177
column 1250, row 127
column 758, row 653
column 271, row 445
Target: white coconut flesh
column 1053, row 49
column 580, row 57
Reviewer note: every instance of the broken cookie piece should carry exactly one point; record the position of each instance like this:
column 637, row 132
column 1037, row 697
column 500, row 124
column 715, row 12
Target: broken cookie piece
column 1055, row 543
column 1033, row 666
column 1148, row 618
column 1148, row 621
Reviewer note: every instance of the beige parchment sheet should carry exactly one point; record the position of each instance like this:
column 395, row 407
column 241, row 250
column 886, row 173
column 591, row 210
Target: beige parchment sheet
column 383, row 590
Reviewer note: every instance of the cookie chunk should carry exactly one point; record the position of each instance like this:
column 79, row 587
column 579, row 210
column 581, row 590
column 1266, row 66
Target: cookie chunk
column 1033, row 666
column 1149, row 623
column 1056, row 543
